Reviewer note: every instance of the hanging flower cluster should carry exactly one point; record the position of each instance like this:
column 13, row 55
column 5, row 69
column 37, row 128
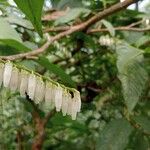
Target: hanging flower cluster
column 39, row 90
column 106, row 40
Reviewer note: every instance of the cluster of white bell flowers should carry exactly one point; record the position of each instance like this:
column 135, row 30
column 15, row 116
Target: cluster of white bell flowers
column 106, row 40
column 40, row 90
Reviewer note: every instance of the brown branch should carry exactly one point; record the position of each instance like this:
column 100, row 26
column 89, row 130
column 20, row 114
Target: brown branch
column 56, row 29
column 40, row 124
column 118, row 29
column 80, row 27
column 90, row 31
column 109, row 11
column 40, row 132
column 19, row 140
column 135, row 23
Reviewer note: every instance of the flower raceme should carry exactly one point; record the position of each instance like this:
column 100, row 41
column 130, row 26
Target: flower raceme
column 39, row 90
column 106, row 40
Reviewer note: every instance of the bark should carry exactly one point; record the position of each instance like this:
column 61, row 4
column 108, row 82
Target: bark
column 40, row 132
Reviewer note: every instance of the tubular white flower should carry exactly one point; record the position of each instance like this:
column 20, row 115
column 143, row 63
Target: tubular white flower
column 65, row 101
column 14, row 79
column 39, row 90
column 77, row 98
column 48, row 93
column 7, row 74
column 23, row 83
column 58, row 97
column 76, row 105
column 74, row 109
column 31, row 86
column 1, row 73
column 70, row 104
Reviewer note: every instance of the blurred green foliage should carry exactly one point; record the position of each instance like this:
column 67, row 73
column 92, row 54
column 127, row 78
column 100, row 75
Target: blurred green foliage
column 113, row 80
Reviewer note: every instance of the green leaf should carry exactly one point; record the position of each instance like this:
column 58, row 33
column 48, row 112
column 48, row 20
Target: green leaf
column 109, row 26
column 142, row 40
column 59, row 120
column 131, row 36
column 68, row 3
column 72, row 14
column 15, row 44
column 66, row 79
column 138, row 141
column 12, row 19
column 144, row 122
column 131, row 73
column 10, row 37
column 114, row 136
column 8, row 32
column 142, row 143
column 33, row 11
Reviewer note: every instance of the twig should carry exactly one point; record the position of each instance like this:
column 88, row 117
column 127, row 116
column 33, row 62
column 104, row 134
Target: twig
column 56, row 29
column 135, row 23
column 80, row 27
column 119, row 29
column 19, row 140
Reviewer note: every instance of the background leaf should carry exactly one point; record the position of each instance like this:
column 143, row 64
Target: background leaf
column 71, row 15
column 8, row 32
column 68, row 3
column 109, row 26
column 131, row 73
column 144, row 122
column 142, row 40
column 114, row 136
column 33, row 11
column 12, row 19
column 10, row 37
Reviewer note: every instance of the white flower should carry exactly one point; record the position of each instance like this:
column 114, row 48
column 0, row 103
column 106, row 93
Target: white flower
column 7, row 74
column 65, row 101
column 74, row 109
column 106, row 40
column 48, row 93
column 14, row 79
column 39, row 91
column 23, row 83
column 78, row 100
column 31, row 86
column 58, row 97
column 74, row 105
column 70, row 103
column 1, row 73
